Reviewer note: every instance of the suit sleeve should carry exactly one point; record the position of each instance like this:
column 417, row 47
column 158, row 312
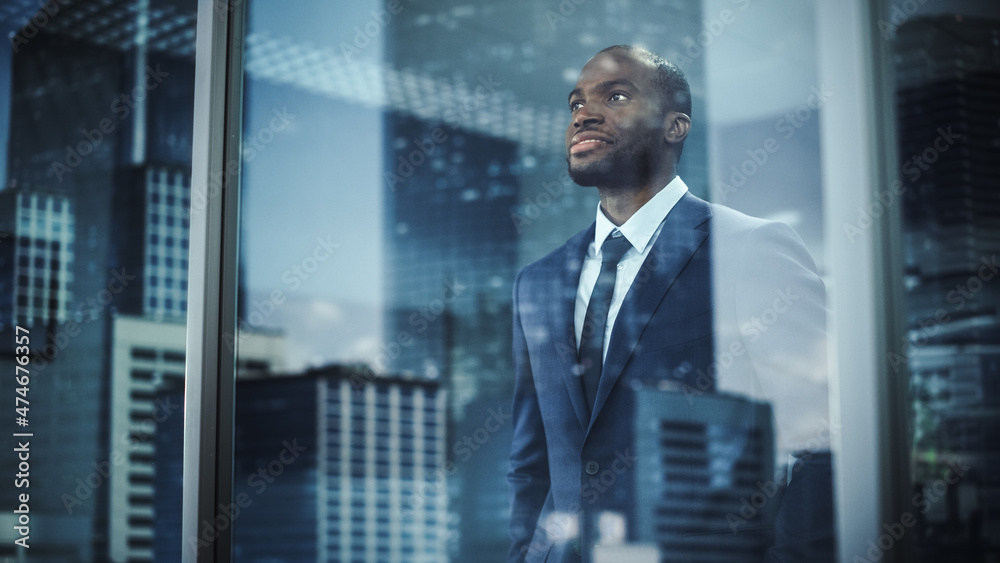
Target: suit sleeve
column 780, row 302
column 782, row 316
column 528, row 477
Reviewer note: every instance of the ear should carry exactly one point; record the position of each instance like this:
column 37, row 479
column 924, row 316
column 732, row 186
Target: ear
column 676, row 126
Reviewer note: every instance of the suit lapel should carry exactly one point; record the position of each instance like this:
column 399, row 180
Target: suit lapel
column 684, row 231
column 563, row 310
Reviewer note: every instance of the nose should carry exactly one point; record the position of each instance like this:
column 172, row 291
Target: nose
column 587, row 116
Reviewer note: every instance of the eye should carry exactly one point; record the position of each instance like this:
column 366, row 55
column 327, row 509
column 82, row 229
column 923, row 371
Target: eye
column 618, row 97
column 573, row 106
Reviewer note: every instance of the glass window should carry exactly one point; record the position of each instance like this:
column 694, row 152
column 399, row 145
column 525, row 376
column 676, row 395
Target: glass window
column 407, row 206
column 91, row 92
column 945, row 71
column 403, row 163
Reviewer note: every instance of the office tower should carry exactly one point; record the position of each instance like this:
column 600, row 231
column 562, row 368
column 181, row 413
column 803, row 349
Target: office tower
column 361, row 460
column 147, row 364
column 100, row 128
column 705, row 480
column 948, row 107
column 450, row 248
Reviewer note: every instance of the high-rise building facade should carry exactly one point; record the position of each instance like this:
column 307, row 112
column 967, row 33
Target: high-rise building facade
column 948, row 106
column 704, row 477
column 97, row 172
column 361, row 461
column 146, row 391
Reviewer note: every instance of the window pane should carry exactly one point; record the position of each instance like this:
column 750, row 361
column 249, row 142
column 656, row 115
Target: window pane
column 402, row 163
column 946, row 72
column 96, row 120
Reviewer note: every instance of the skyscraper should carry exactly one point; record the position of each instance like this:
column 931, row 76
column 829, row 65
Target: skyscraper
column 705, row 476
column 98, row 167
column 948, row 104
column 365, row 465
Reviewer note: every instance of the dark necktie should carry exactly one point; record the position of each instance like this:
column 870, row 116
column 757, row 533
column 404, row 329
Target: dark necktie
column 591, row 356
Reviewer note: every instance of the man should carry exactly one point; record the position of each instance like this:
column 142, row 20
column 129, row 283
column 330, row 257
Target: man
column 666, row 291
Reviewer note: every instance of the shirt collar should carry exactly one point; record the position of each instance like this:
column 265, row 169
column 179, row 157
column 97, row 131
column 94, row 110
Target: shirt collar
column 641, row 226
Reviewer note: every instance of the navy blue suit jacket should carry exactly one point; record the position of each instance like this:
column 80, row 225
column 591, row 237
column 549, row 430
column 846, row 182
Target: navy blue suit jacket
column 672, row 319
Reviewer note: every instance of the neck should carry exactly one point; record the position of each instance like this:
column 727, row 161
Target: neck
column 619, row 203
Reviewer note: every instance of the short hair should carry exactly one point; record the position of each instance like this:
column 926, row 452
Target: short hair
column 674, row 89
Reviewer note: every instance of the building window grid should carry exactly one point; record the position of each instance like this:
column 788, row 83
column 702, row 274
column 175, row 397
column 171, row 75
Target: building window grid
column 167, row 193
column 43, row 254
column 364, row 502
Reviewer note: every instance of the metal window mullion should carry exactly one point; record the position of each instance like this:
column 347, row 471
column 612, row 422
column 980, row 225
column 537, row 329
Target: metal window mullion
column 212, row 283
column 857, row 133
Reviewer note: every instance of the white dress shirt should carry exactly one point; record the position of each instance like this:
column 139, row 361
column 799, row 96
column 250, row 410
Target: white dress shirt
column 641, row 230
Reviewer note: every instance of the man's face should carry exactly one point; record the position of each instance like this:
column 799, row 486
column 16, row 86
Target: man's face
column 615, row 135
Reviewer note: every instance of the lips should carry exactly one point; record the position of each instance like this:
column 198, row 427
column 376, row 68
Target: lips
column 584, row 142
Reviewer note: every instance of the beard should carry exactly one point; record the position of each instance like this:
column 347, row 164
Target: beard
column 628, row 166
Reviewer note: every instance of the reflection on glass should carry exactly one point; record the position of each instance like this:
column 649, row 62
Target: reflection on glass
column 94, row 263
column 401, row 164
column 947, row 67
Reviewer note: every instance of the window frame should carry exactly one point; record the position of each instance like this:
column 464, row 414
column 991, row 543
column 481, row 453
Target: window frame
column 858, row 147
column 212, row 281
column 865, row 297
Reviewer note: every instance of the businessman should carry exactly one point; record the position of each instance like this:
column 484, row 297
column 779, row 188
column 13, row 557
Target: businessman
column 666, row 291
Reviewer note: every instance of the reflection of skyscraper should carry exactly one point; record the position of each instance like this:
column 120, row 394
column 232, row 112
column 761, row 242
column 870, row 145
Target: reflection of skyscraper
column 147, row 364
column 705, row 476
column 495, row 196
column 451, row 248
column 948, row 105
column 100, row 124
column 36, row 257
column 363, row 465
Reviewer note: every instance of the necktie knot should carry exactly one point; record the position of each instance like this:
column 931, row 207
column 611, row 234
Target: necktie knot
column 614, row 248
